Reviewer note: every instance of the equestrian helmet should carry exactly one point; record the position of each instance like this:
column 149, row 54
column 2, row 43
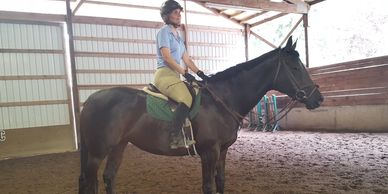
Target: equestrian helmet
column 167, row 7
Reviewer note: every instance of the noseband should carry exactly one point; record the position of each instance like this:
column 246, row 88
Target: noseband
column 300, row 93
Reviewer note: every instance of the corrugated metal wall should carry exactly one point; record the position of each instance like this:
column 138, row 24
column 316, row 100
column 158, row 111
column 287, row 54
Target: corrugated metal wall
column 35, row 108
column 35, row 114
column 216, row 50
column 111, row 55
column 108, row 55
column 32, row 76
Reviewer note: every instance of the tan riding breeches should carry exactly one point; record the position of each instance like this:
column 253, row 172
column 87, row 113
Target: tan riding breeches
column 170, row 84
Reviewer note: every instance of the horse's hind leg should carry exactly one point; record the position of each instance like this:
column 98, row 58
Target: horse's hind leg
column 112, row 165
column 91, row 181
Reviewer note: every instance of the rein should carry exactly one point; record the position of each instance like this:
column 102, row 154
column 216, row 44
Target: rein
column 237, row 116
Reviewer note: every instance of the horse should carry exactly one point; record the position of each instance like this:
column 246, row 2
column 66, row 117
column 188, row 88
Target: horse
column 111, row 118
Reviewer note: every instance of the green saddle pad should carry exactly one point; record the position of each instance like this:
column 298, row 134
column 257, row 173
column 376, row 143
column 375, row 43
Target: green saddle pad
column 160, row 109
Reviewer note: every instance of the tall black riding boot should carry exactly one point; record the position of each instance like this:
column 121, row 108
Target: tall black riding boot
column 176, row 137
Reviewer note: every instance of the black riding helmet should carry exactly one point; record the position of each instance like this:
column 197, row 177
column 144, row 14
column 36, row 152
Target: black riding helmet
column 167, row 7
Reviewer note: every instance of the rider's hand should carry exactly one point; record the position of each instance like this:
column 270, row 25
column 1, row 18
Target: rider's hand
column 190, row 78
column 202, row 75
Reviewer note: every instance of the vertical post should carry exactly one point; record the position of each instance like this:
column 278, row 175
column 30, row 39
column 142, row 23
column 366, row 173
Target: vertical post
column 246, row 41
column 185, row 31
column 305, row 25
column 247, row 32
column 74, row 85
column 266, row 113
column 275, row 112
column 259, row 116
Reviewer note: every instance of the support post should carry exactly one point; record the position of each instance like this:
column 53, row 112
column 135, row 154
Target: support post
column 247, row 32
column 74, row 85
column 186, row 33
column 246, row 41
column 305, row 25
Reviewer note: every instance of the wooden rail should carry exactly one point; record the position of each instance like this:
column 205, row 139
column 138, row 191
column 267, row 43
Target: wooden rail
column 361, row 82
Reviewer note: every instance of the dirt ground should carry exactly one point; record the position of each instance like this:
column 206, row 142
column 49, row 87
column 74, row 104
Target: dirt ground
column 274, row 163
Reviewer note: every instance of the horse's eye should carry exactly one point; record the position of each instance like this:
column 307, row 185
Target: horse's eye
column 295, row 68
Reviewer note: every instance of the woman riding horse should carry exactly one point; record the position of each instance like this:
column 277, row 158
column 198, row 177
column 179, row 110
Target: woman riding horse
column 170, row 51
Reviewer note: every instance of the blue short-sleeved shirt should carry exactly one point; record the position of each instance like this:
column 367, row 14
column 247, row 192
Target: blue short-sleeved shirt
column 165, row 38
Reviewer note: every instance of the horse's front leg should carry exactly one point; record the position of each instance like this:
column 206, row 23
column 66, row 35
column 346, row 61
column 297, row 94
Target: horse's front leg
column 220, row 172
column 209, row 160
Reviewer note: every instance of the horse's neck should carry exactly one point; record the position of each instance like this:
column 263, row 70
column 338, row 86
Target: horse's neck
column 242, row 92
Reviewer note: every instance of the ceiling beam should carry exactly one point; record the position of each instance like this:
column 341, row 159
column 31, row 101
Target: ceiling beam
column 268, row 19
column 36, row 17
column 78, row 6
column 315, row 2
column 299, row 3
column 263, row 5
column 219, row 13
column 244, row 20
column 291, row 31
column 263, row 39
column 136, row 6
column 236, row 14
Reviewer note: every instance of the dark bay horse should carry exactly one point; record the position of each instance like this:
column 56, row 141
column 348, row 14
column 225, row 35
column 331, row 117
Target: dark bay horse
column 113, row 117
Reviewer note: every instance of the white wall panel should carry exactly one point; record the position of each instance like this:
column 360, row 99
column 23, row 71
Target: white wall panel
column 32, row 90
column 31, row 64
column 211, row 50
column 34, row 116
column 26, row 91
column 124, row 39
column 30, row 36
column 216, row 51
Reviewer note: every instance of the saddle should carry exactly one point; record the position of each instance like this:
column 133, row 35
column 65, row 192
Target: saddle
column 162, row 107
column 151, row 89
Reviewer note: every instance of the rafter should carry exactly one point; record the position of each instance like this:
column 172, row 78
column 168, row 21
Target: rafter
column 78, row 6
column 244, row 20
column 219, row 13
column 315, row 2
column 291, row 31
column 236, row 14
column 263, row 39
column 298, row 2
column 265, row 5
column 268, row 19
column 128, row 5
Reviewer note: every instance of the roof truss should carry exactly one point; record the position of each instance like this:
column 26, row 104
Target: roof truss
column 290, row 6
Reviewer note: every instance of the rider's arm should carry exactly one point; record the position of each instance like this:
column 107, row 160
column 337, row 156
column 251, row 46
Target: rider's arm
column 189, row 62
column 170, row 61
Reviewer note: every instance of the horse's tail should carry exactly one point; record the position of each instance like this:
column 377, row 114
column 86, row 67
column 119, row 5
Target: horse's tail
column 84, row 160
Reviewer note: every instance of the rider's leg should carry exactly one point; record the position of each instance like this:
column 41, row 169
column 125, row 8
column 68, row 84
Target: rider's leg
column 170, row 84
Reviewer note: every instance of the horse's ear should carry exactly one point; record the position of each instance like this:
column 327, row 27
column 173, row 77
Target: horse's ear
column 289, row 43
column 294, row 45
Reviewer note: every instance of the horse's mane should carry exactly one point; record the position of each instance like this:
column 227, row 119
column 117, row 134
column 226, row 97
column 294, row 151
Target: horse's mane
column 232, row 71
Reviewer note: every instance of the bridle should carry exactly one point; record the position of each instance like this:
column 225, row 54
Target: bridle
column 300, row 95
